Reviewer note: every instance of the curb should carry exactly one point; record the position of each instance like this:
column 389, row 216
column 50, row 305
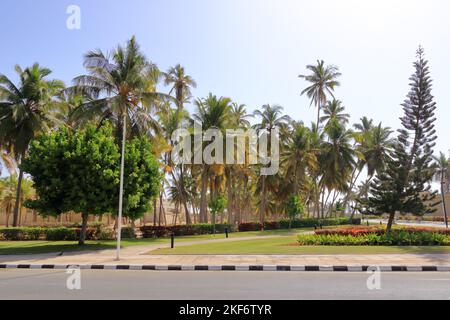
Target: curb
column 312, row 268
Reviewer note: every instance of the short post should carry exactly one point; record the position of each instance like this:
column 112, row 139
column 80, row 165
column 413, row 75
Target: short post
column 367, row 222
column 172, row 240
column 226, row 233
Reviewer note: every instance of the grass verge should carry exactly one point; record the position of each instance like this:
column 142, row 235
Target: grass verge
column 288, row 245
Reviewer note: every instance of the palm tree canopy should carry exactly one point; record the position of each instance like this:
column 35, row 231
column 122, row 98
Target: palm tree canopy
column 181, row 83
column 334, row 110
column 123, row 83
column 26, row 109
column 323, row 80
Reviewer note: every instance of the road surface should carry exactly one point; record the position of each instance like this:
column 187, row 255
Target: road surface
column 103, row 284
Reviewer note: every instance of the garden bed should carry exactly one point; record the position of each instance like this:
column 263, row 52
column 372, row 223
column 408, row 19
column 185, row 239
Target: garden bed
column 377, row 236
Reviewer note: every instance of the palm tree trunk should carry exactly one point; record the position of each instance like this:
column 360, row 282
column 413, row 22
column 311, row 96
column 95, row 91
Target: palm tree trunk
column 443, row 199
column 230, row 198
column 262, row 209
column 203, row 196
column 18, row 195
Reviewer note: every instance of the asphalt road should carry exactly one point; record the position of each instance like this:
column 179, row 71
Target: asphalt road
column 103, row 284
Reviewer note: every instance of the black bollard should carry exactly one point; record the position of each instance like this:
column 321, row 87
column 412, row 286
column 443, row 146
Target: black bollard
column 226, row 233
column 367, row 222
column 315, row 227
column 172, row 240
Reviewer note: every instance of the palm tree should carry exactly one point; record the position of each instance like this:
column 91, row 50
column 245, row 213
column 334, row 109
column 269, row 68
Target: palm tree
column 25, row 111
column 374, row 145
column 8, row 195
column 337, row 158
column 323, row 81
column 271, row 118
column 212, row 113
column 122, row 89
column 298, row 157
column 181, row 87
column 334, row 110
column 442, row 172
column 181, row 84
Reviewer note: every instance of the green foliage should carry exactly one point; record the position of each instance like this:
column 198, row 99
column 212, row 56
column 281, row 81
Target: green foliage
column 183, row 230
column 297, row 224
column 395, row 238
column 295, row 207
column 217, row 204
column 74, row 171
column 142, row 179
column 79, row 171
column 404, row 186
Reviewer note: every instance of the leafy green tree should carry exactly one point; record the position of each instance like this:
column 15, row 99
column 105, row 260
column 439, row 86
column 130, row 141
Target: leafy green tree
column 404, row 187
column 216, row 206
column 294, row 208
column 25, row 111
column 81, row 174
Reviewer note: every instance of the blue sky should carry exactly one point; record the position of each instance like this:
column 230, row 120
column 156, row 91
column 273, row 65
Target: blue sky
column 251, row 50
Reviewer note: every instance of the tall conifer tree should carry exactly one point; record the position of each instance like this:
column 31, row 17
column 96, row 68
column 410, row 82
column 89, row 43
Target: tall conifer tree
column 405, row 185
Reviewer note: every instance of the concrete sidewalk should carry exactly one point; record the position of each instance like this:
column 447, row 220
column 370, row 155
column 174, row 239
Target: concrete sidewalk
column 137, row 255
column 105, row 258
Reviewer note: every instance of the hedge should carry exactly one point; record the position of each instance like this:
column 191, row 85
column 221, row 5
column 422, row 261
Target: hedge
column 395, row 238
column 298, row 223
column 63, row 233
column 357, row 231
column 183, row 230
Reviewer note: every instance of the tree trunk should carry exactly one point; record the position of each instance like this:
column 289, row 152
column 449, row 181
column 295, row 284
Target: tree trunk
column 84, row 217
column 230, row 199
column 18, row 195
column 262, row 209
column 443, row 200
column 203, row 197
column 390, row 222
column 154, row 212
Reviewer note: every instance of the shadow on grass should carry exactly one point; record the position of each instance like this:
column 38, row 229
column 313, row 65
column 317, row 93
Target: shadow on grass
column 51, row 247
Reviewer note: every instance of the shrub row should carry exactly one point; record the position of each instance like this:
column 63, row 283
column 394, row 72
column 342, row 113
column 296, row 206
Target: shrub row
column 183, row 230
column 62, row 233
column 408, row 218
column 300, row 223
column 395, row 238
column 356, row 231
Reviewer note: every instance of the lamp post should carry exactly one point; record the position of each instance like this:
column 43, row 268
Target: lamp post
column 122, row 166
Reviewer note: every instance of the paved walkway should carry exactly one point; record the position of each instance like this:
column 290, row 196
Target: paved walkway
column 136, row 255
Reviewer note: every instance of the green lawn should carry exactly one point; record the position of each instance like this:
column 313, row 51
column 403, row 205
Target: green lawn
column 34, row 247
column 288, row 245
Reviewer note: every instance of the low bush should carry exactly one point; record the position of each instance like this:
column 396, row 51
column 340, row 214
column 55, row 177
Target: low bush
column 127, row 233
column 356, row 231
column 183, row 230
column 61, row 233
column 395, row 238
column 296, row 224
column 17, row 234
